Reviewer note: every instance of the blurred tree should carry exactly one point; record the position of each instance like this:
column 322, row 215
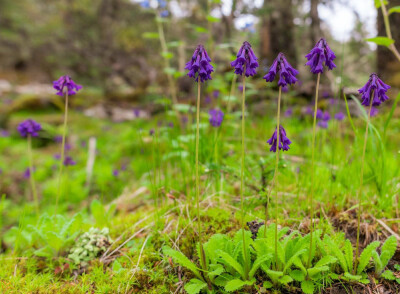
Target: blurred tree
column 277, row 31
column 387, row 64
column 315, row 27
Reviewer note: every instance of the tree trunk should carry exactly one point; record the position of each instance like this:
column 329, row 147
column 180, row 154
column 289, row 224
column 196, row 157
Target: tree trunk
column 315, row 29
column 277, row 31
column 387, row 64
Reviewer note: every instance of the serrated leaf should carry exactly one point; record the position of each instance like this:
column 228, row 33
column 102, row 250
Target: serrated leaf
column 297, row 275
column 366, row 256
column 182, row 260
column 307, row 287
column 388, row 250
column 237, row 284
column 285, row 280
column 230, row 261
column 352, row 277
column 388, row 275
column 326, row 260
column 267, row 285
column 257, row 263
column 381, row 41
column 195, row 286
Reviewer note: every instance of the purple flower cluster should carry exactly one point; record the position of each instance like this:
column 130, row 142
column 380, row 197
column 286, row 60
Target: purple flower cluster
column 339, row 116
column 324, row 118
column 69, row 161
column 216, row 117
column 66, row 85
column 284, row 141
column 376, row 87
column 29, row 127
column 287, row 74
column 199, row 66
column 321, row 54
column 246, row 61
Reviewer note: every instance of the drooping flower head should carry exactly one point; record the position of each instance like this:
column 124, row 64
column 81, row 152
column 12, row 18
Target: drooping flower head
column 320, row 114
column 323, row 124
column 284, row 141
column 287, row 74
column 66, row 85
column 323, row 117
column 375, row 86
column 319, row 55
column 199, row 66
column 289, row 112
column 29, row 127
column 216, row 117
column 339, row 116
column 246, row 61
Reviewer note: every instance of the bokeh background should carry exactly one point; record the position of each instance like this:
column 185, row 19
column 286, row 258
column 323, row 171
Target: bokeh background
column 115, row 47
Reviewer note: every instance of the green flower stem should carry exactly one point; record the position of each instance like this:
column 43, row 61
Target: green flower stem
column 202, row 256
column 274, row 179
column 312, row 171
column 246, row 270
column 361, row 183
column 385, row 14
column 62, row 152
column 31, row 176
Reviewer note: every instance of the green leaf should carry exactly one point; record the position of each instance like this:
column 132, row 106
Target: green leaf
column 390, row 114
column 200, row 29
column 366, row 256
column 285, row 280
column 237, row 284
column 211, row 18
column 307, row 287
column 195, row 286
column 381, row 41
column 395, row 9
column 167, row 55
column 182, row 260
column 230, row 261
column 388, row 250
column 117, row 267
column 348, row 251
column 316, row 270
column 378, row 3
column 297, row 275
column 170, row 70
column 150, row 35
column 388, row 275
column 257, row 263
column 352, row 277
column 267, row 285
column 326, row 260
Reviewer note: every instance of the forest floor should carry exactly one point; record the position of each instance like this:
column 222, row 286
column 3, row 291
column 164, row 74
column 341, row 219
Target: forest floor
column 141, row 189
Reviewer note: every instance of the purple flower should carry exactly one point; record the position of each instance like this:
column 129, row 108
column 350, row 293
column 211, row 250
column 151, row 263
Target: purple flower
column 326, row 116
column 284, row 141
column 145, row 4
column 207, row 99
column 115, row 173
column 170, row 124
column 374, row 111
column 164, row 13
column 323, row 124
column 215, row 93
column 58, row 139
column 309, row 110
column 66, row 84
column 320, row 54
column 199, row 66
column 285, row 89
column 339, row 116
column 162, row 3
column 287, row 74
column 320, row 114
column 246, row 60
column 29, row 127
column 151, row 132
column 216, row 117
column 376, row 87
column 184, row 119
column 69, row 161
column 57, row 156
column 240, row 88
column 289, row 112
column 136, row 112
column 4, row 133
column 27, row 172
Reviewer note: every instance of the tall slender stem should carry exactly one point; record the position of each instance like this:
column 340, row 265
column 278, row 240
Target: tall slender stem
column 278, row 119
column 385, row 14
column 312, row 171
column 361, row 183
column 62, row 151
column 31, row 176
column 242, row 174
column 202, row 257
